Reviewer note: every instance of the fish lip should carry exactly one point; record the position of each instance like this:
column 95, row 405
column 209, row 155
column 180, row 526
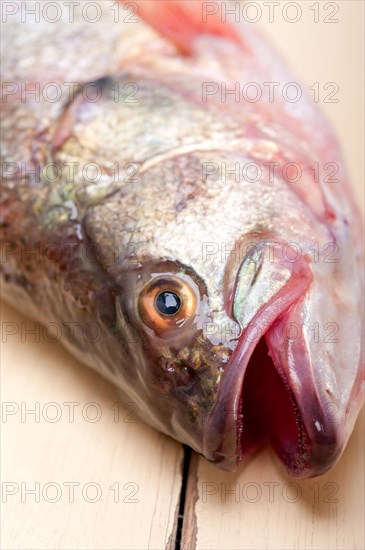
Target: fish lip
column 324, row 432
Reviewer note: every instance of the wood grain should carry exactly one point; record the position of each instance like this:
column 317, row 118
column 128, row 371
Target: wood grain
column 261, row 507
column 114, row 451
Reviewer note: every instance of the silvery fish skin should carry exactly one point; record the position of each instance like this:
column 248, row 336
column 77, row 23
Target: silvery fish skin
column 266, row 345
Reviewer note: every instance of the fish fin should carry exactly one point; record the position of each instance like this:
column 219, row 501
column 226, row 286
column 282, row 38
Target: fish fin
column 181, row 21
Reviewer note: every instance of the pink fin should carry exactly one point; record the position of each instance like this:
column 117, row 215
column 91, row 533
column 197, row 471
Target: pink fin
column 182, row 21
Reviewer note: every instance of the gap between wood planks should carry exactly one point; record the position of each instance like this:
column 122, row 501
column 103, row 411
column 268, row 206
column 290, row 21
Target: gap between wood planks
column 184, row 533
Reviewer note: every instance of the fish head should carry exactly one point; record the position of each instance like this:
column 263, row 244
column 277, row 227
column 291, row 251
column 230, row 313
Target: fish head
column 237, row 331
column 211, row 305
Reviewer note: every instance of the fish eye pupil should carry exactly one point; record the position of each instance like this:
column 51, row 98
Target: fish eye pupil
column 168, row 302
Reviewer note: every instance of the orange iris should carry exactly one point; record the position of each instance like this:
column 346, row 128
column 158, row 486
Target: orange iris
column 166, row 303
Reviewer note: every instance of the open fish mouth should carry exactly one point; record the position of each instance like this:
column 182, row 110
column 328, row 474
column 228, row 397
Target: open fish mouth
column 273, row 409
column 268, row 411
column 267, row 392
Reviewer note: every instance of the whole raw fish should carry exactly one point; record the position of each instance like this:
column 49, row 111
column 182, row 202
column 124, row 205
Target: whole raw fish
column 193, row 241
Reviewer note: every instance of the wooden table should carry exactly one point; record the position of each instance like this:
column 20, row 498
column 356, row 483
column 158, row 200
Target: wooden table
column 81, row 471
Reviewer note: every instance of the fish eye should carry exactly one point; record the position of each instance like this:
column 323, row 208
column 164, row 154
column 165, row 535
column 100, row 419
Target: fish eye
column 166, row 304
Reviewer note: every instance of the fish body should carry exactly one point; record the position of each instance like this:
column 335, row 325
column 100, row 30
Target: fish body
column 181, row 238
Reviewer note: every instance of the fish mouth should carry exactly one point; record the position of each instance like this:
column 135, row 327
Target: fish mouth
column 268, row 412
column 288, row 415
column 266, row 396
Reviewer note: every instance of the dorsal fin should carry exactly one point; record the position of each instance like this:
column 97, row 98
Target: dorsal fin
column 181, row 21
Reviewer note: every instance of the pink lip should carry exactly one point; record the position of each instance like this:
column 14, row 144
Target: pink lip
column 322, row 434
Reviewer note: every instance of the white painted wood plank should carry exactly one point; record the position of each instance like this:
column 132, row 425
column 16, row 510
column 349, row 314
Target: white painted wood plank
column 261, row 507
column 109, row 454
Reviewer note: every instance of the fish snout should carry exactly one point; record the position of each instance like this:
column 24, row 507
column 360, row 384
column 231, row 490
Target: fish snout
column 284, row 384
